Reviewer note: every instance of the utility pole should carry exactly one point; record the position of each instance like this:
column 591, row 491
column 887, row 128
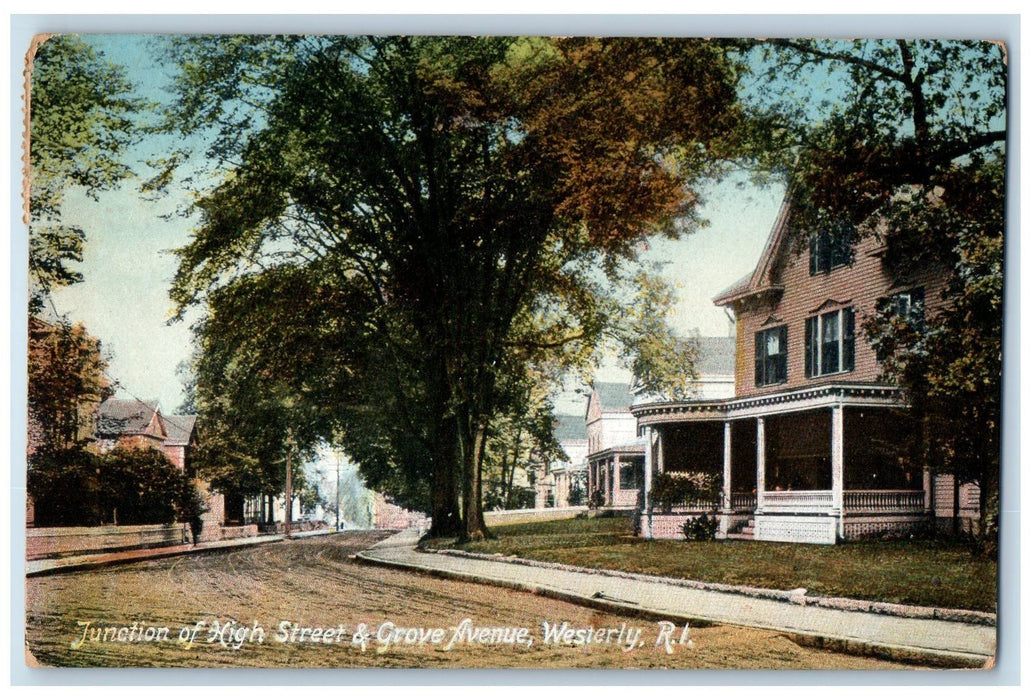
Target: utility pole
column 337, row 453
column 289, row 495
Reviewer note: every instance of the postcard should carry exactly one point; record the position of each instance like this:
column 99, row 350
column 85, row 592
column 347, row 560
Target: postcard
column 513, row 351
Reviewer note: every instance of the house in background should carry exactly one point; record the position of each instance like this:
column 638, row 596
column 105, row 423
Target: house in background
column 564, row 482
column 615, row 455
column 181, row 442
column 810, row 446
column 130, row 423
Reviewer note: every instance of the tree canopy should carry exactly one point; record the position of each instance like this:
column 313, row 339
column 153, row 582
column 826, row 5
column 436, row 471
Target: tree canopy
column 912, row 149
column 81, row 110
column 472, row 200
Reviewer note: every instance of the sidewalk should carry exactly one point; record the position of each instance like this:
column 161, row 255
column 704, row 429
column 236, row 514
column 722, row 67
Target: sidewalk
column 926, row 640
column 40, row 567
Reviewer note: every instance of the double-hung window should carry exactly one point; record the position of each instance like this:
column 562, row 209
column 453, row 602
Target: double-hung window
column 771, row 356
column 831, row 247
column 830, row 343
column 909, row 305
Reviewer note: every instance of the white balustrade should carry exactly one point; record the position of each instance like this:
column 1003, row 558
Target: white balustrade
column 797, row 501
column 884, row 501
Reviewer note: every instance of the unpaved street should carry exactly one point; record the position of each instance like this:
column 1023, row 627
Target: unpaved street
column 300, row 603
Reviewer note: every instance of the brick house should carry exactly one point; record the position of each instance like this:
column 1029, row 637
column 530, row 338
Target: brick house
column 130, row 423
column 809, row 448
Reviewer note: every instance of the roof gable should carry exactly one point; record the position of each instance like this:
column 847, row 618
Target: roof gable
column 118, row 417
column 181, row 429
column 761, row 279
column 609, row 397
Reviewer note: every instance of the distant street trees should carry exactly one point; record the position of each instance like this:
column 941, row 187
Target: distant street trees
column 457, row 208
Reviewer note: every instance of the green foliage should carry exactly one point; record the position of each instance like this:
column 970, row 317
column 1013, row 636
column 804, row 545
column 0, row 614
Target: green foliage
column 140, row 487
column 913, row 151
column 81, row 109
column 66, row 384
column 74, row 487
column 65, row 488
column 453, row 202
column 674, row 488
column 702, row 528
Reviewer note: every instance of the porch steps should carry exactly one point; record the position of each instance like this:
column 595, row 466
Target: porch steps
column 747, row 532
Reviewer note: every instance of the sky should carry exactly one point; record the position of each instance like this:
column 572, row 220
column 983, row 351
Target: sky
column 128, row 261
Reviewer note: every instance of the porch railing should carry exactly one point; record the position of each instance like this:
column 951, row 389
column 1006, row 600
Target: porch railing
column 884, row 501
column 693, row 506
column 798, row 501
column 742, row 500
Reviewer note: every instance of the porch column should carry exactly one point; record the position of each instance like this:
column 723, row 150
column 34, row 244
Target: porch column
column 661, row 453
column 760, row 464
column 928, row 491
column 646, row 507
column 727, row 505
column 727, row 486
column 838, row 467
column 617, row 467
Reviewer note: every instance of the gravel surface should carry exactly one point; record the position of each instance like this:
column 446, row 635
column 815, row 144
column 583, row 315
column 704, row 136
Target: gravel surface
column 299, row 604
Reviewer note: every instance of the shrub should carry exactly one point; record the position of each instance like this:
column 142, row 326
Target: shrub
column 671, row 488
column 65, row 488
column 597, row 499
column 702, row 528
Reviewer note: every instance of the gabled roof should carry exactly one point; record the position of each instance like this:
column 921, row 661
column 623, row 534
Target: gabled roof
column 180, row 429
column 716, row 355
column 761, row 278
column 125, row 417
column 570, row 427
column 613, row 397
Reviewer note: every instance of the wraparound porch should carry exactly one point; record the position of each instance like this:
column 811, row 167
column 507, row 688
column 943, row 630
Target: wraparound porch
column 813, row 466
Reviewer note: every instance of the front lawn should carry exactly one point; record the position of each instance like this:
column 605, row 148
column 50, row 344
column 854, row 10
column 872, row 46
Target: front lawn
column 931, row 572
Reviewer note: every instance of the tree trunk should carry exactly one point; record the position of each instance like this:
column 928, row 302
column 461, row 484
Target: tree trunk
column 447, row 521
column 470, row 448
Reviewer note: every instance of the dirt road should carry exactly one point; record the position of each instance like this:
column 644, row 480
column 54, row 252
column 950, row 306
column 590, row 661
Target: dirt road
column 302, row 603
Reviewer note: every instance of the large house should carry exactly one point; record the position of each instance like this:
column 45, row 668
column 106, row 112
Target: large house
column 810, row 446
column 615, row 454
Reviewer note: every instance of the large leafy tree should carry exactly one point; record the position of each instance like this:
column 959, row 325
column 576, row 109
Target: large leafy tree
column 81, row 110
column 470, row 190
column 912, row 148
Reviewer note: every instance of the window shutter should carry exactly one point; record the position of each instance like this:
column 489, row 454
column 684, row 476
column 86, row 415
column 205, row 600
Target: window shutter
column 848, row 339
column 810, row 339
column 782, row 359
column 814, row 246
column 760, row 352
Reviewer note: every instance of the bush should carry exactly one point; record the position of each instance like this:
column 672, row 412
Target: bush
column 65, row 488
column 669, row 490
column 702, row 528
column 597, row 499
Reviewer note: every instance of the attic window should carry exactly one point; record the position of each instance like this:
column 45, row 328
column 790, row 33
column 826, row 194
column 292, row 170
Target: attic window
column 831, row 247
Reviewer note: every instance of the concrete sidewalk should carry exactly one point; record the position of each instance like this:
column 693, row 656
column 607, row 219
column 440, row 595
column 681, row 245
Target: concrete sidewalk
column 40, row 567
column 921, row 638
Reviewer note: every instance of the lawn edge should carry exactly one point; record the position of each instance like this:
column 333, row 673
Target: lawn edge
column 797, row 596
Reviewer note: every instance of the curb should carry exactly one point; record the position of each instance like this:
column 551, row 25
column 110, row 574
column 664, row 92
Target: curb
column 797, row 596
column 847, row 645
column 134, row 556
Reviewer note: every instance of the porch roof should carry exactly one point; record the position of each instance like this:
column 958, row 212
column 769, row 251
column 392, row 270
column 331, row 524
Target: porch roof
column 632, row 449
column 755, row 406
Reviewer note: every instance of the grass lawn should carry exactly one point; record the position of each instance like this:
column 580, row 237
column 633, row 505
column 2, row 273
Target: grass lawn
column 934, row 573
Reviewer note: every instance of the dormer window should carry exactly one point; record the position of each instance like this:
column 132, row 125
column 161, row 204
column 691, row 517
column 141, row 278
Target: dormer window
column 830, row 248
